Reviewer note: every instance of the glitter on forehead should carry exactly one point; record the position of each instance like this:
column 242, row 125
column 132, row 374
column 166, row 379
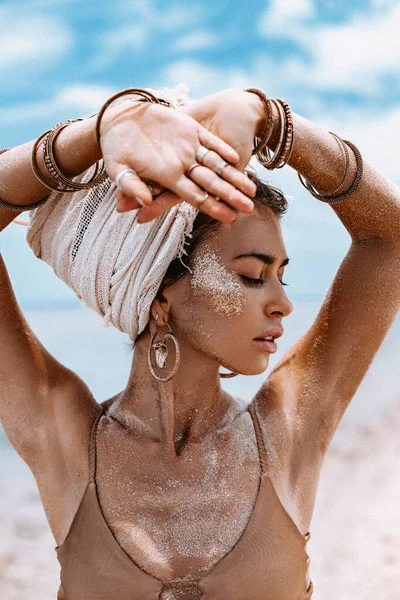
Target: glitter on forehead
column 214, row 284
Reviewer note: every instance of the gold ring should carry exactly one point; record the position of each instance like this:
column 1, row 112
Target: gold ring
column 200, row 202
column 193, row 166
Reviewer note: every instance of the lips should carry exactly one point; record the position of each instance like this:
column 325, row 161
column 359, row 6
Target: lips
column 275, row 332
column 266, row 345
column 269, row 345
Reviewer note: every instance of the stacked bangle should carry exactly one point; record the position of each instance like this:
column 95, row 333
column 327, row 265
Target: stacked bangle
column 334, row 197
column 284, row 148
column 261, row 141
column 62, row 183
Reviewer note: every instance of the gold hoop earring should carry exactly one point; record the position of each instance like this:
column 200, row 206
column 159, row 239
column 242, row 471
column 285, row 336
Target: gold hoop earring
column 161, row 354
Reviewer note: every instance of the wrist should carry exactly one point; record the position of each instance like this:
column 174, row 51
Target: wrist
column 76, row 148
column 261, row 116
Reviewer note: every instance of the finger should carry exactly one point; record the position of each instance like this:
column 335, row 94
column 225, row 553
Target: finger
column 229, row 173
column 188, row 190
column 126, row 203
column 159, row 205
column 216, row 210
column 132, row 186
column 213, row 142
column 212, row 183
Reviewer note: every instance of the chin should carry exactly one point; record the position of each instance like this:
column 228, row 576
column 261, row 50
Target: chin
column 255, row 369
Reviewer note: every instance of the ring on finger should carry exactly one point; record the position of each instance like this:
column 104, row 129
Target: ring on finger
column 202, row 200
column 193, row 166
column 220, row 167
column 201, row 152
column 123, row 174
column 155, row 189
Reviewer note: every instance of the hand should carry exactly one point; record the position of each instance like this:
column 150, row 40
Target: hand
column 160, row 144
column 235, row 117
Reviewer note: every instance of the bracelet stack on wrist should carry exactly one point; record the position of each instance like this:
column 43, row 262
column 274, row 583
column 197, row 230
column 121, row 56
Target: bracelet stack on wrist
column 336, row 197
column 61, row 182
column 284, row 148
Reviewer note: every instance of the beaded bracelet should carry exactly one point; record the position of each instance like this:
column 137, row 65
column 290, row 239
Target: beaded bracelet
column 62, row 183
column 65, row 184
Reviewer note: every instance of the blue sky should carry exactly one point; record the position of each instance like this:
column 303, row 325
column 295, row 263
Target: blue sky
column 336, row 62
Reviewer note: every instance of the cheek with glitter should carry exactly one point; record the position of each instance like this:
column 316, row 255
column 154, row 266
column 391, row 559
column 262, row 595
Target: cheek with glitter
column 212, row 283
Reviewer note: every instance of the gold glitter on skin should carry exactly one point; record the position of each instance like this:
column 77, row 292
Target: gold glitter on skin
column 173, row 518
column 212, row 283
column 300, row 405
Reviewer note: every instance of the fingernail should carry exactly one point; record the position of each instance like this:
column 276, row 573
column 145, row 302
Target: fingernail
column 140, row 201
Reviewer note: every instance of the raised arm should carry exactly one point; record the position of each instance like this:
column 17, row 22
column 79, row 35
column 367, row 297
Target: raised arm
column 317, row 378
column 157, row 142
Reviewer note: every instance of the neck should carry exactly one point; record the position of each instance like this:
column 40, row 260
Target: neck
column 182, row 410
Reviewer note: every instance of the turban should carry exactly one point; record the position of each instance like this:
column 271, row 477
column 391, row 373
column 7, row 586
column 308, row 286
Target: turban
column 113, row 264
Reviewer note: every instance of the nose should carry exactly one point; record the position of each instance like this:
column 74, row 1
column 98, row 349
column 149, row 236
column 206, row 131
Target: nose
column 277, row 302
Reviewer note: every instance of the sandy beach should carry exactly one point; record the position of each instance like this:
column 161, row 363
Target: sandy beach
column 355, row 541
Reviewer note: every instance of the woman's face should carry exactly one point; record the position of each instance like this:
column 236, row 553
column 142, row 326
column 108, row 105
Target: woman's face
column 234, row 295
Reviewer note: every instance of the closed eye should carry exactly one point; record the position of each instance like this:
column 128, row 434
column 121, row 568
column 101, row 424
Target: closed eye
column 252, row 281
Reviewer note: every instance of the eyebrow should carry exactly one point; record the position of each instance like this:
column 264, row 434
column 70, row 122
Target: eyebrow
column 268, row 259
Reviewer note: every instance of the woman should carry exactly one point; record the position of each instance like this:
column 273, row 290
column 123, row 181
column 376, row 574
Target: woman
column 186, row 492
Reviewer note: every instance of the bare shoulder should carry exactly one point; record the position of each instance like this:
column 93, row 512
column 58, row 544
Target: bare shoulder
column 294, row 458
column 60, row 459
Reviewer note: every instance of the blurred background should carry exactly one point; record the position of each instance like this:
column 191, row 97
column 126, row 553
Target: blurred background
column 336, row 63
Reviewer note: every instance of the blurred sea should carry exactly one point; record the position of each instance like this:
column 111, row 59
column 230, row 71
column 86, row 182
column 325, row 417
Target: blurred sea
column 102, row 358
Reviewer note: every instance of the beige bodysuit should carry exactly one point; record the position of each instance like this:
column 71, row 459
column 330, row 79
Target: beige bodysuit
column 268, row 562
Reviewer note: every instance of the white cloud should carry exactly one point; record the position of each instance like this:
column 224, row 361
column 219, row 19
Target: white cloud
column 29, row 42
column 203, row 79
column 78, row 100
column 354, row 56
column 168, row 19
column 143, row 22
column 198, row 40
column 282, row 15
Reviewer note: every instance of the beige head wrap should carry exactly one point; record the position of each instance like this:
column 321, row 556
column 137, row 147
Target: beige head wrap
column 112, row 263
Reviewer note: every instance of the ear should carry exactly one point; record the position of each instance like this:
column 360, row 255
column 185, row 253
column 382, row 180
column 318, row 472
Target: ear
column 160, row 309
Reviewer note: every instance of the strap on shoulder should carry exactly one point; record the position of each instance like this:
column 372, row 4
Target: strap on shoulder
column 260, row 442
column 92, row 445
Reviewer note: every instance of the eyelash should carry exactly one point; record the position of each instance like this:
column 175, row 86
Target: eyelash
column 251, row 281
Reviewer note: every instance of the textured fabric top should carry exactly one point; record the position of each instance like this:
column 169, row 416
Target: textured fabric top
column 112, row 263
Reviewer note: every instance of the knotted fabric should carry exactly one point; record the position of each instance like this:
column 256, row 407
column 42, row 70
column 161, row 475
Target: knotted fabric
column 113, row 264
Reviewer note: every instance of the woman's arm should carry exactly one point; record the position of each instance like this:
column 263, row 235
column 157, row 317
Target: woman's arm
column 319, row 375
column 316, row 379
column 76, row 149
column 159, row 143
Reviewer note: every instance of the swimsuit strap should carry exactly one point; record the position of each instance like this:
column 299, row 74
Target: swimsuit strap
column 260, row 442
column 92, row 446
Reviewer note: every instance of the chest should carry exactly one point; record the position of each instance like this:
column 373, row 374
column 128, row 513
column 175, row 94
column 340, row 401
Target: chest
column 179, row 517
